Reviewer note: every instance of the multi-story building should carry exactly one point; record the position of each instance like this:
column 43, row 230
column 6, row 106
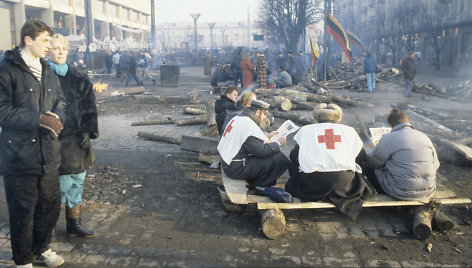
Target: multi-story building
column 112, row 19
column 439, row 31
column 224, row 34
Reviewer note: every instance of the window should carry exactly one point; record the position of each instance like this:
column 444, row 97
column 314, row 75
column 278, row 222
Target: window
column 112, row 10
column 143, row 19
column 134, row 16
column 98, row 7
column 79, row 4
column 124, row 14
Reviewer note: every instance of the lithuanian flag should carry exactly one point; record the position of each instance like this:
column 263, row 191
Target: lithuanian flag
column 335, row 29
column 315, row 53
column 354, row 40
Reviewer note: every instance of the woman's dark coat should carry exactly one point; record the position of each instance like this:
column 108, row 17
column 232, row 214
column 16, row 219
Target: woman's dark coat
column 81, row 124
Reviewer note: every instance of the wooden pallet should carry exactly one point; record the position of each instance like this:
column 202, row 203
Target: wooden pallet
column 273, row 221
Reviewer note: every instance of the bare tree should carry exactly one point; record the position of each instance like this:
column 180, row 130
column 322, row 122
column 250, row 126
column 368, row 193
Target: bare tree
column 286, row 20
column 432, row 22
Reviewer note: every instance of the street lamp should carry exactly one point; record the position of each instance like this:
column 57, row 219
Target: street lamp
column 211, row 25
column 195, row 17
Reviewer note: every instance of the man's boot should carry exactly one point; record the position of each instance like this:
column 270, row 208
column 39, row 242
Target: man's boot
column 74, row 227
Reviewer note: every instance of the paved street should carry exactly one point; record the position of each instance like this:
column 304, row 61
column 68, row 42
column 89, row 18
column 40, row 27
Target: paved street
column 176, row 218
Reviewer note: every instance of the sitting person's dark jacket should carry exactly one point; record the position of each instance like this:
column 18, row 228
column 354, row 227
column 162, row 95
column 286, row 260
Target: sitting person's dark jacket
column 226, row 104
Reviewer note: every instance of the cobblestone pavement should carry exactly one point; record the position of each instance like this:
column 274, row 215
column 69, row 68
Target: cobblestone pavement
column 176, row 218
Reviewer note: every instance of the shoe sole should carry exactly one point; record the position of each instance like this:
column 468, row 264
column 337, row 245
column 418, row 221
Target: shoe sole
column 82, row 236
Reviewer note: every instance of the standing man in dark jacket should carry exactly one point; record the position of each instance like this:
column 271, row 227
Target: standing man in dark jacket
column 123, row 64
column 236, row 67
column 291, row 66
column 81, row 126
column 370, row 68
column 409, row 71
column 132, row 70
column 109, row 61
column 32, row 110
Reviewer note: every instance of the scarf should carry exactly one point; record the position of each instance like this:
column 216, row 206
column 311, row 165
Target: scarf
column 58, row 69
column 34, row 65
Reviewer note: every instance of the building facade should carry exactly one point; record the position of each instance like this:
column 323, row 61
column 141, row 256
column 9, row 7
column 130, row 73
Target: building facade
column 113, row 20
column 439, row 31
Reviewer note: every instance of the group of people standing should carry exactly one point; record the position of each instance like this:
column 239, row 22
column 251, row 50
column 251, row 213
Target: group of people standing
column 48, row 116
column 250, row 72
column 126, row 65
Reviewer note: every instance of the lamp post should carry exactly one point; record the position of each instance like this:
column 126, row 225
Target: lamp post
column 195, row 17
column 211, row 25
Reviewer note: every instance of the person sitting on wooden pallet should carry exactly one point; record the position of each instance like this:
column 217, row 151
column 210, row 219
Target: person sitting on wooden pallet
column 225, row 105
column 224, row 78
column 324, row 163
column 246, row 151
column 404, row 162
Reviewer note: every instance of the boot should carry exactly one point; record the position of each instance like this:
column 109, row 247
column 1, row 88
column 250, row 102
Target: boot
column 74, row 227
column 153, row 81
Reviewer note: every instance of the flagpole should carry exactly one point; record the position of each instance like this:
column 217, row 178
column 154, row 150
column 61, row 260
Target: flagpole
column 325, row 48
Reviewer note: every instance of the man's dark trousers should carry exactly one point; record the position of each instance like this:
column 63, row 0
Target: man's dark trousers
column 34, row 205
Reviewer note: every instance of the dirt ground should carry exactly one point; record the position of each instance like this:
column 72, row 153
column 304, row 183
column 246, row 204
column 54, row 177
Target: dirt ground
column 155, row 205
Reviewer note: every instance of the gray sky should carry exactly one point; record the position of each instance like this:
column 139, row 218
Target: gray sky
column 210, row 10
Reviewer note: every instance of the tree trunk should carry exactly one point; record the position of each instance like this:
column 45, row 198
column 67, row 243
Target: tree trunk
column 191, row 121
column 156, row 137
column 442, row 222
column 153, row 122
column 190, row 110
column 422, row 216
column 273, row 223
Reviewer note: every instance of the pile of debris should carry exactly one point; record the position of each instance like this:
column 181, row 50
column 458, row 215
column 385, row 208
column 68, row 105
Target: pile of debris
column 351, row 76
column 459, row 92
column 107, row 186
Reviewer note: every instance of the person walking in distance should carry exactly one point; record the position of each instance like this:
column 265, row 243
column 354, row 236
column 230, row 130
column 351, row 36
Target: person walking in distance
column 370, row 69
column 32, row 112
column 81, row 126
column 409, row 71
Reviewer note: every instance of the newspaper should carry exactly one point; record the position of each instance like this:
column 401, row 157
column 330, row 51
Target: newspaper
column 377, row 133
column 285, row 129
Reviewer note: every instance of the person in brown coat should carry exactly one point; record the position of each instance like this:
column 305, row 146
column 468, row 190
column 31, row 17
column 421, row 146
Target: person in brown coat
column 247, row 68
column 409, row 71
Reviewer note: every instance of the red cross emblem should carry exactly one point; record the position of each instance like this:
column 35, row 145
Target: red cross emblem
column 329, row 138
column 228, row 128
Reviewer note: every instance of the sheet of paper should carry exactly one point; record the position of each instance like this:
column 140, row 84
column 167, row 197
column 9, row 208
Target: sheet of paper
column 285, row 129
column 377, row 133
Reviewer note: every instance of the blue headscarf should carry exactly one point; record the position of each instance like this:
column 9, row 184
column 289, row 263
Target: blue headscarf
column 58, row 69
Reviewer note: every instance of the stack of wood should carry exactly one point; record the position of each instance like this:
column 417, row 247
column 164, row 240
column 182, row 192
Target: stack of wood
column 351, row 76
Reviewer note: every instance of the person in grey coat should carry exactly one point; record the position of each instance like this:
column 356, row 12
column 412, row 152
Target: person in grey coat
column 404, row 162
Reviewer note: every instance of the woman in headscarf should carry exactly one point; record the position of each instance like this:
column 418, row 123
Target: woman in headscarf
column 81, row 125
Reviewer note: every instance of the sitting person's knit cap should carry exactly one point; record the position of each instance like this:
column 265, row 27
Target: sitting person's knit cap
column 259, row 105
column 324, row 113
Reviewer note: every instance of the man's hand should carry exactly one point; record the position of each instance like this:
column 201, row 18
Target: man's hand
column 272, row 134
column 283, row 141
column 51, row 122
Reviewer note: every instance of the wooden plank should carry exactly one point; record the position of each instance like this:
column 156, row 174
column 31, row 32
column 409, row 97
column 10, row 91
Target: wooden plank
column 235, row 189
column 199, row 144
column 305, row 205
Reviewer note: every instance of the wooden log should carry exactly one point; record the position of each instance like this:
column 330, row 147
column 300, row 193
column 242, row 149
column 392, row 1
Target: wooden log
column 190, row 110
column 422, row 217
column 302, row 106
column 196, row 106
column 199, row 144
column 227, row 204
column 191, row 121
column 211, row 115
column 210, row 131
column 442, row 222
column 295, row 96
column 268, row 92
column 156, row 137
column 208, row 158
column 429, row 126
column 134, row 90
column 273, row 223
column 294, row 117
column 283, row 103
column 153, row 122
column 176, row 100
